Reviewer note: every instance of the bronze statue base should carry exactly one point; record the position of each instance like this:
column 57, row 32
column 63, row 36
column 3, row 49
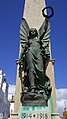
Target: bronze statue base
column 34, row 99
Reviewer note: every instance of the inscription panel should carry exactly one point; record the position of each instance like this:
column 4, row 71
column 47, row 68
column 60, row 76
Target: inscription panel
column 38, row 115
column 34, row 112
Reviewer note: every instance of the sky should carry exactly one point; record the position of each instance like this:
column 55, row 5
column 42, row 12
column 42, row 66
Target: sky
column 59, row 41
column 10, row 19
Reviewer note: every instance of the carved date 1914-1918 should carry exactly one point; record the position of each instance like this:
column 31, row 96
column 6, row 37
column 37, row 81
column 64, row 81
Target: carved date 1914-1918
column 37, row 115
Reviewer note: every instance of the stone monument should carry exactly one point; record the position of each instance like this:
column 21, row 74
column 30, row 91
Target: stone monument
column 34, row 59
column 35, row 87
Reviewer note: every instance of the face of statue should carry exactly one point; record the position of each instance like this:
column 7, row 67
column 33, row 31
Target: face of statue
column 33, row 33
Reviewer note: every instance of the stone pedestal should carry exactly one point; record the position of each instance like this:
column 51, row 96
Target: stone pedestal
column 34, row 112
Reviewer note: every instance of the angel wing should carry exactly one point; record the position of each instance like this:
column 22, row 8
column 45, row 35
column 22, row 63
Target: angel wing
column 44, row 32
column 24, row 30
column 44, row 36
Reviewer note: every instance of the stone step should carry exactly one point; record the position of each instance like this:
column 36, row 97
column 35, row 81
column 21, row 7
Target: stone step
column 14, row 116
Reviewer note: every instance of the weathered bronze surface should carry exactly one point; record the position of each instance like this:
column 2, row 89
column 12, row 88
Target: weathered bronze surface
column 35, row 57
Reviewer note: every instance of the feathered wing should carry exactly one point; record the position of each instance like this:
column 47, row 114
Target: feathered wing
column 44, row 35
column 44, row 32
column 24, row 30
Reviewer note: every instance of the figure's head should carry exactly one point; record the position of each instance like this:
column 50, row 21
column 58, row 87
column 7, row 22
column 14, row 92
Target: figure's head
column 33, row 33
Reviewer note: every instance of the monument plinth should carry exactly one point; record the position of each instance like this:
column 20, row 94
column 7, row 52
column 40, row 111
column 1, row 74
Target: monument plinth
column 34, row 112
